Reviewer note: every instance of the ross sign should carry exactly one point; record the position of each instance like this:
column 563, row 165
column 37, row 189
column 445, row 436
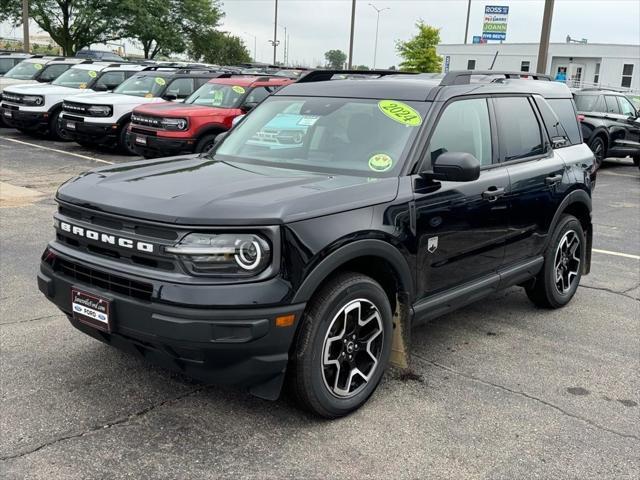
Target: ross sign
column 494, row 26
column 447, row 62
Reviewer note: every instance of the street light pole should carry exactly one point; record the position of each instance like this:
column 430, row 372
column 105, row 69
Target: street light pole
column 275, row 35
column 545, row 33
column 375, row 49
column 25, row 26
column 466, row 29
column 353, row 25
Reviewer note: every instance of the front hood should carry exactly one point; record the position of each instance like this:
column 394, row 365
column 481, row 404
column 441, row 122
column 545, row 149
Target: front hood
column 46, row 89
column 191, row 190
column 108, row 98
column 172, row 109
column 5, row 82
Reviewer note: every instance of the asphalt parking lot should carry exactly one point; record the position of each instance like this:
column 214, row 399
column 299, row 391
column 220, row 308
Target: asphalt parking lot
column 503, row 390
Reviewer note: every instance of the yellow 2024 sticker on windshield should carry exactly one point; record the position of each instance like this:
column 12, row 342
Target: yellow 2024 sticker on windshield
column 380, row 162
column 161, row 81
column 92, row 73
column 400, row 112
column 37, row 66
column 238, row 89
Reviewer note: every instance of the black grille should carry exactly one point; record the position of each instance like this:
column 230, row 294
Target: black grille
column 146, row 121
column 104, row 280
column 13, row 98
column 77, row 108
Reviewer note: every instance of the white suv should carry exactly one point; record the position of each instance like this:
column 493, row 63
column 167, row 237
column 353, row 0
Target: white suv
column 37, row 107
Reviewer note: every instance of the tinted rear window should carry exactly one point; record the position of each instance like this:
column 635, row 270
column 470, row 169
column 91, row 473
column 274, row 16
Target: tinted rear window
column 563, row 108
column 519, row 129
column 586, row 103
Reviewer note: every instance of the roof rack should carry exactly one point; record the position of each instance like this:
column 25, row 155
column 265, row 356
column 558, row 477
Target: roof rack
column 158, row 67
column 198, row 70
column 463, row 77
column 323, row 75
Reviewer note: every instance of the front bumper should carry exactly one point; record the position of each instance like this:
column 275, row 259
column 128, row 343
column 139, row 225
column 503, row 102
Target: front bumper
column 16, row 118
column 91, row 132
column 155, row 146
column 239, row 346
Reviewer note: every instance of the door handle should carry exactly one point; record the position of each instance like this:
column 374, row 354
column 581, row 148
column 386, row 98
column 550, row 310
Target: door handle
column 493, row 193
column 553, row 180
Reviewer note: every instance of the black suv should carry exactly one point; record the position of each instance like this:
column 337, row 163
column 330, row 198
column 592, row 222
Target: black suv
column 405, row 198
column 610, row 124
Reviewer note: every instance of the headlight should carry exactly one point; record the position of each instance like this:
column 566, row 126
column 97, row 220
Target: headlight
column 231, row 254
column 174, row 123
column 100, row 110
column 33, row 100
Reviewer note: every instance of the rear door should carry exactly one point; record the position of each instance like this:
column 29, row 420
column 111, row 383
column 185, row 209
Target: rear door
column 461, row 226
column 628, row 118
column 537, row 174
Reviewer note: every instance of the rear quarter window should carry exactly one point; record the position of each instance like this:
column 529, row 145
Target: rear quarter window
column 563, row 108
column 587, row 103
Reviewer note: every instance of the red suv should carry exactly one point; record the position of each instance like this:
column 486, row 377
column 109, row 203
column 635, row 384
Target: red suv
column 166, row 129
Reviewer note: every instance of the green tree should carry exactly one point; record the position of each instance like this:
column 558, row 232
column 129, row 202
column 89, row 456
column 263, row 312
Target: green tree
column 72, row 24
column 335, row 59
column 218, row 47
column 162, row 27
column 419, row 53
column 361, row 67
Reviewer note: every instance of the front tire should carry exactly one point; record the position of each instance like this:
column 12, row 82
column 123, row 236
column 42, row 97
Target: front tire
column 123, row 141
column 56, row 132
column 343, row 346
column 557, row 282
column 206, row 143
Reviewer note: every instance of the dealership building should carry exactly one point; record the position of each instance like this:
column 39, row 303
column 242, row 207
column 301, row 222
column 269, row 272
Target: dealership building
column 583, row 64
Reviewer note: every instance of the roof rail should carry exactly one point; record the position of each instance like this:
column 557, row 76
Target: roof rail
column 323, row 75
column 463, row 77
column 197, row 69
column 158, row 67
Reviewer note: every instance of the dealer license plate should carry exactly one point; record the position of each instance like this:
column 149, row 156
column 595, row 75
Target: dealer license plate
column 141, row 140
column 71, row 125
column 91, row 309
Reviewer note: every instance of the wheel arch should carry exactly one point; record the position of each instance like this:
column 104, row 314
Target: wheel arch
column 209, row 129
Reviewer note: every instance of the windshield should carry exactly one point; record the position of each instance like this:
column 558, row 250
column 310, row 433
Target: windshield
column 142, row 86
column 355, row 136
column 217, row 95
column 76, row 78
column 25, row 70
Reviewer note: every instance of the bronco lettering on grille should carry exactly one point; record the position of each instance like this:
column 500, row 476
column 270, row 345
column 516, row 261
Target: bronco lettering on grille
column 106, row 238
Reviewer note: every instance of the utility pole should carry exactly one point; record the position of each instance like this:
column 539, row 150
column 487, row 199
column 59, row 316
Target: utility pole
column 375, row 49
column 275, row 36
column 285, row 52
column 545, row 33
column 25, row 26
column 353, row 25
column 466, row 29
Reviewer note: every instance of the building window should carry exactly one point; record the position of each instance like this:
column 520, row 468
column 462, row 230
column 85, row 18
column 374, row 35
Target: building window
column 596, row 76
column 627, row 74
column 524, row 66
column 471, row 64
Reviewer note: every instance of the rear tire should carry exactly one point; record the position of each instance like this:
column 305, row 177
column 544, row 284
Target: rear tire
column 124, row 145
column 56, row 132
column 564, row 258
column 206, row 143
column 599, row 148
column 342, row 348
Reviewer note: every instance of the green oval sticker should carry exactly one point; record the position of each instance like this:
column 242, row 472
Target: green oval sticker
column 380, row 162
column 238, row 89
column 37, row 66
column 93, row 73
column 161, row 81
column 400, row 112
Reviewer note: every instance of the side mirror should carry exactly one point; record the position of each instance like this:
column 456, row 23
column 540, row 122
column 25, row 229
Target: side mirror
column 100, row 88
column 247, row 107
column 456, row 167
column 170, row 97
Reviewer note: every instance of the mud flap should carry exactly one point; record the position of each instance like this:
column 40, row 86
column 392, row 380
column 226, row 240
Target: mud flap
column 401, row 343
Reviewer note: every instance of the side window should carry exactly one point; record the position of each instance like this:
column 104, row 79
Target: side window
column 463, row 127
column 111, row 79
column 51, row 72
column 181, row 87
column 518, row 127
column 257, row 95
column 611, row 105
column 626, row 108
column 563, row 108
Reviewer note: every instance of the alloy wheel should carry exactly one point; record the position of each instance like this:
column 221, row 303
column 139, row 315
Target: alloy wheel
column 352, row 348
column 567, row 261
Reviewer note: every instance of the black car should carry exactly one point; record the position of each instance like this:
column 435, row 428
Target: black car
column 610, row 124
column 405, row 199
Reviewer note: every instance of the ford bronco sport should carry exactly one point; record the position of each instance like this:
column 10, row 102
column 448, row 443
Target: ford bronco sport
column 408, row 197
column 103, row 118
column 163, row 129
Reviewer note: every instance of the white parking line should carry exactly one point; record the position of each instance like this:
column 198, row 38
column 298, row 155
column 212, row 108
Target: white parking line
column 617, row 254
column 93, row 159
